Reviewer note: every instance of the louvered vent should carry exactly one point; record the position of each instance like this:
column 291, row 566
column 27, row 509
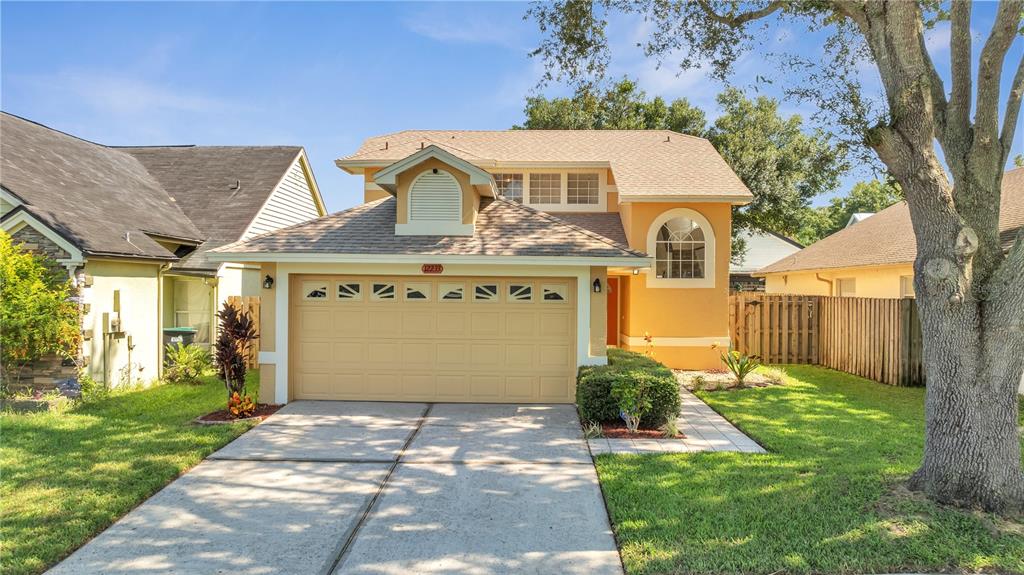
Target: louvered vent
column 435, row 197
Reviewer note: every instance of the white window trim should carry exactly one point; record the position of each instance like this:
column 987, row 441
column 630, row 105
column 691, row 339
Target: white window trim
column 710, row 253
column 565, row 206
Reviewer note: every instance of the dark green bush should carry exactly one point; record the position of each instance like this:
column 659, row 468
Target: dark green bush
column 594, row 388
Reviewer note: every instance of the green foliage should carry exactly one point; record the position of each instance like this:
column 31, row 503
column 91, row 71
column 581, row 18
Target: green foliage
column 782, row 165
column 633, row 398
column 1018, row 161
column 68, row 476
column 823, row 500
column 865, row 197
column 740, row 364
column 185, row 363
column 235, row 336
column 594, row 388
column 37, row 316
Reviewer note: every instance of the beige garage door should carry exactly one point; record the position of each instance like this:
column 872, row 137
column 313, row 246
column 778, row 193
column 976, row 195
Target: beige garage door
column 433, row 339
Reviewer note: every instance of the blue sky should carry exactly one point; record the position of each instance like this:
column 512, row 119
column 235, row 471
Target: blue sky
column 321, row 75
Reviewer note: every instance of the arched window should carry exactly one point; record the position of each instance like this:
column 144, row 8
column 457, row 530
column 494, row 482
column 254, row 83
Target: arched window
column 679, row 250
column 683, row 246
column 435, row 196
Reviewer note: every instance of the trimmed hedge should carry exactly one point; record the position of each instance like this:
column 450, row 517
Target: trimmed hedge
column 594, row 388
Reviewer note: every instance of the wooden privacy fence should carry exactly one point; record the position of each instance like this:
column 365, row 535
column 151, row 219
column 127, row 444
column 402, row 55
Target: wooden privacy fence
column 249, row 304
column 871, row 337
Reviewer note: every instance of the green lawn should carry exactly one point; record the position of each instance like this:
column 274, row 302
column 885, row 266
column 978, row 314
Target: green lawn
column 825, row 500
column 65, row 477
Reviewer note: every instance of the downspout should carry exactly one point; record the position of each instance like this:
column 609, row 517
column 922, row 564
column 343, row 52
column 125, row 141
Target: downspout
column 818, row 277
column 160, row 318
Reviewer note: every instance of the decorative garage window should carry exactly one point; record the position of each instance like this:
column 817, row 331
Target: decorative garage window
column 554, row 292
column 485, row 292
column 417, row 292
column 451, row 292
column 682, row 242
column 383, row 291
column 350, row 291
column 435, row 196
column 545, row 188
column 314, row 290
column 520, row 292
column 583, row 189
column 510, row 186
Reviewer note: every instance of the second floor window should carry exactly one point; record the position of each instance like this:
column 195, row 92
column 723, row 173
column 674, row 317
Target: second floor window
column 582, row 189
column 545, row 188
column 510, row 186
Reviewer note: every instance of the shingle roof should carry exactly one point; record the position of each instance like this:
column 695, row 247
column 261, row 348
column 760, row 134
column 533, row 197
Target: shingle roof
column 503, row 228
column 91, row 194
column 607, row 224
column 643, row 162
column 202, row 181
column 887, row 238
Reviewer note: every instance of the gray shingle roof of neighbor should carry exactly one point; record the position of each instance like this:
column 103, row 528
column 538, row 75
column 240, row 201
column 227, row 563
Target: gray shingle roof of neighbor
column 219, row 188
column 503, row 228
column 887, row 238
column 93, row 194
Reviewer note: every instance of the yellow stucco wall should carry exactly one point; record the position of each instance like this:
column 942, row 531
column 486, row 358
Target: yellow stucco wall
column 882, row 281
column 684, row 322
column 140, row 295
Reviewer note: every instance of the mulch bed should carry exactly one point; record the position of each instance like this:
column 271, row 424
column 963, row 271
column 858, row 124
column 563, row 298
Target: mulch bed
column 617, row 430
column 263, row 411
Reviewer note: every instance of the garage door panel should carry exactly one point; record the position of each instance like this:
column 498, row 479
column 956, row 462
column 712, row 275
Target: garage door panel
column 384, row 322
column 506, row 343
column 485, row 324
column 349, row 321
column 485, row 387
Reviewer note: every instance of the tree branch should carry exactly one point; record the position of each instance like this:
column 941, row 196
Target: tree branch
column 990, row 68
column 958, row 113
column 737, row 20
column 1012, row 111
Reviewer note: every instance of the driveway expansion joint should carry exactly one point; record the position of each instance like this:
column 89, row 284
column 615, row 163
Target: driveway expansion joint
column 339, row 557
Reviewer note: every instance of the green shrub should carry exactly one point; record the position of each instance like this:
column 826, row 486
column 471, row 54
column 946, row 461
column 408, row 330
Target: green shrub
column 185, row 363
column 594, row 388
column 634, row 397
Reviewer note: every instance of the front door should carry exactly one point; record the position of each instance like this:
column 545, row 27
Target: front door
column 613, row 311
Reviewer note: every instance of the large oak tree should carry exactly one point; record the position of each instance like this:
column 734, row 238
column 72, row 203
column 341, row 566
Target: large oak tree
column 969, row 292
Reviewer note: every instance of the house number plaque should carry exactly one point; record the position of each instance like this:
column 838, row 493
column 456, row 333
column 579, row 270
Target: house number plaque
column 432, row 268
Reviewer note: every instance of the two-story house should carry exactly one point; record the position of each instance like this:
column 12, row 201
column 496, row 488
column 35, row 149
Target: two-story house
column 487, row 266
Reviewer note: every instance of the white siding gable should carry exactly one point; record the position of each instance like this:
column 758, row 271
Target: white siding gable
column 291, row 203
column 762, row 250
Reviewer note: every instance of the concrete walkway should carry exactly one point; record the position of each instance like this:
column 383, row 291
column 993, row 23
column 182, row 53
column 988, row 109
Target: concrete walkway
column 362, row 487
column 704, row 429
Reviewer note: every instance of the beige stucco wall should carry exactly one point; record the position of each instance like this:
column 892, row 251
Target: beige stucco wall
column 140, row 296
column 268, row 340
column 599, row 312
column 881, row 282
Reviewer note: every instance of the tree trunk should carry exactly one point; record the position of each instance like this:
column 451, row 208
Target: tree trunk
column 972, row 454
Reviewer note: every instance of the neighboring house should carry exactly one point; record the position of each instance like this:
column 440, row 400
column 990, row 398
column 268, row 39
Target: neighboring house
column 489, row 265
column 875, row 257
column 133, row 227
column 857, row 218
column 762, row 248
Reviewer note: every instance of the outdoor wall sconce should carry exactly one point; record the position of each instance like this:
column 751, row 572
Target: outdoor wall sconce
column 597, row 285
column 268, row 282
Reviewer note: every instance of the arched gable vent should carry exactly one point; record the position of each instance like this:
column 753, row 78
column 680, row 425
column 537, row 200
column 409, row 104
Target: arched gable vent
column 435, row 196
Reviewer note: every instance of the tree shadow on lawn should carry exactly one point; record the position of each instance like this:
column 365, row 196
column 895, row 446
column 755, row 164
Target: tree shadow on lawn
column 826, row 499
column 66, row 476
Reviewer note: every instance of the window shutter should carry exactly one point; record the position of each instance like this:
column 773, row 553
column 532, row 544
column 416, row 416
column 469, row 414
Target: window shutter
column 435, row 198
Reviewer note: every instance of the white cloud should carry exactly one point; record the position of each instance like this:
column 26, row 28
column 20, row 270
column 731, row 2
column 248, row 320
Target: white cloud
column 465, row 27
column 122, row 95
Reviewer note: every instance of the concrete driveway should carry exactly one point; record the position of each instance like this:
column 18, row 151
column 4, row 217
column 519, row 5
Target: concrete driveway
column 362, row 487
